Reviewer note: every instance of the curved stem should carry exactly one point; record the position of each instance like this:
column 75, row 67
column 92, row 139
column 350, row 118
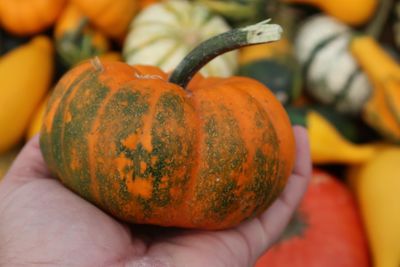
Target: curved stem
column 254, row 34
column 376, row 26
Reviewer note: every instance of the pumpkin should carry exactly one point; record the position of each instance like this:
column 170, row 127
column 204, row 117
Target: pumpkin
column 28, row 17
column 112, row 17
column 376, row 184
column 382, row 110
column 351, row 12
column 76, row 40
column 332, row 74
column 164, row 33
column 25, row 76
column 151, row 150
column 326, row 230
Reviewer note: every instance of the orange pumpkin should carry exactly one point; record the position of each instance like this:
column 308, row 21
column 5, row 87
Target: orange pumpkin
column 26, row 17
column 112, row 17
column 153, row 150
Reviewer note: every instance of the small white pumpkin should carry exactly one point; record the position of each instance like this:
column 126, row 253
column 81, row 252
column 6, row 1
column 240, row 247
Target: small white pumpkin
column 164, row 33
column 332, row 74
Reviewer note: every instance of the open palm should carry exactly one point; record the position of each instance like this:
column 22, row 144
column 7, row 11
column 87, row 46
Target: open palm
column 44, row 224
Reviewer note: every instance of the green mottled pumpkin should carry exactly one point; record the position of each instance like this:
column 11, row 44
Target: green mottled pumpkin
column 151, row 150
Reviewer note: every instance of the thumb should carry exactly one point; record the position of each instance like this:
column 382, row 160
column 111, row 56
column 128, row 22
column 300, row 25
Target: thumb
column 29, row 164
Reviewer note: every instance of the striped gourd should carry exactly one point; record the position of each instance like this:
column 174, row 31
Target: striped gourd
column 333, row 76
column 164, row 33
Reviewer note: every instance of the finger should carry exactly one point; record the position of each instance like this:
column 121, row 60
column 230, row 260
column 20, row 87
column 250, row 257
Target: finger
column 29, row 163
column 302, row 165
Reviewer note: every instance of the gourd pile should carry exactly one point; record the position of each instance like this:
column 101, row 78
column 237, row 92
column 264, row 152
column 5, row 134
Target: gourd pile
column 335, row 70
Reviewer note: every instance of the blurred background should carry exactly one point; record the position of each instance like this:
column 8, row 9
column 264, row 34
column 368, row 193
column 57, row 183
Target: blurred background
column 336, row 70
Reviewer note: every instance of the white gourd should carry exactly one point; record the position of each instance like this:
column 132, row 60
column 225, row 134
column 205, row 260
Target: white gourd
column 332, row 74
column 164, row 33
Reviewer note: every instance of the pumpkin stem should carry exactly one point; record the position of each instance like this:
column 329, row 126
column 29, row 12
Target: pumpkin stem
column 376, row 26
column 97, row 64
column 259, row 33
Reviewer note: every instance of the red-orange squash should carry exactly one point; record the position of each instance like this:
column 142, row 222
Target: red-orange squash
column 149, row 151
column 326, row 230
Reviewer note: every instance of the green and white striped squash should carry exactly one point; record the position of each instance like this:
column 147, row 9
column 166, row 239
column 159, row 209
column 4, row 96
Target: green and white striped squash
column 162, row 34
column 332, row 74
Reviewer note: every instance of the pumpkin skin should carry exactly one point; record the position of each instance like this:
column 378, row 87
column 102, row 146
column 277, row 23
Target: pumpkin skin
column 149, row 152
column 326, row 230
column 27, row 17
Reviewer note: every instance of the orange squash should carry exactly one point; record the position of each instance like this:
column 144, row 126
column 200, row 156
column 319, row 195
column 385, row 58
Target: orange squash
column 112, row 17
column 76, row 39
column 351, row 12
column 151, row 149
column 27, row 17
column 381, row 111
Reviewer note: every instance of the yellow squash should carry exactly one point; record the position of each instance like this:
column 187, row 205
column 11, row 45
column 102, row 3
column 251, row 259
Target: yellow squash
column 382, row 110
column 377, row 186
column 25, row 76
column 329, row 146
column 37, row 119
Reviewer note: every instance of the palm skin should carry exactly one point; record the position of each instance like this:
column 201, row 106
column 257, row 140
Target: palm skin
column 44, row 224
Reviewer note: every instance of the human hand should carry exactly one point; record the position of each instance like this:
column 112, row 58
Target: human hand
column 45, row 224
